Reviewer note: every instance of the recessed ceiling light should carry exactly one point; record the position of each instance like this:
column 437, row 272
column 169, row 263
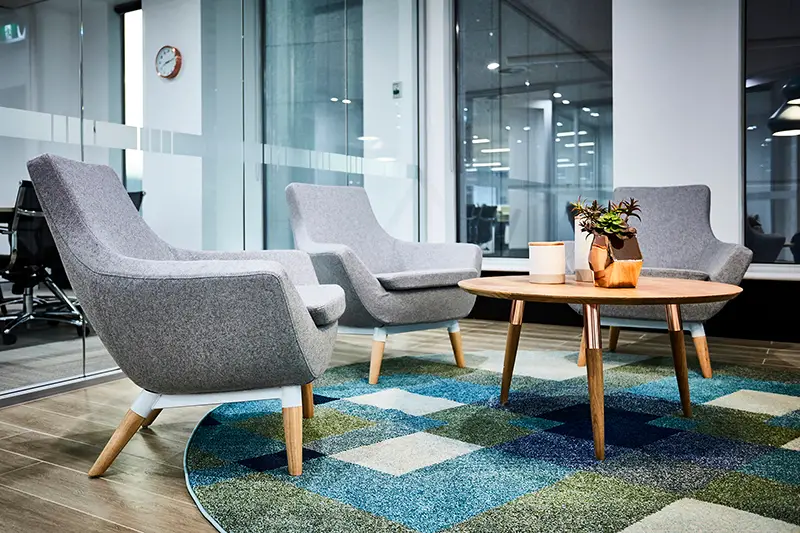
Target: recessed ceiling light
column 563, row 160
column 565, row 102
column 556, row 95
column 472, row 170
column 519, row 141
column 582, row 132
column 334, row 99
column 508, row 128
column 558, row 140
column 751, row 128
column 493, row 66
column 500, row 169
column 559, row 124
column 466, row 109
column 590, row 152
column 569, row 145
column 565, row 165
column 527, row 83
column 480, row 141
column 492, row 164
column 586, row 144
column 346, row 101
column 526, row 128
column 584, row 108
column 565, row 134
column 474, row 136
column 594, row 114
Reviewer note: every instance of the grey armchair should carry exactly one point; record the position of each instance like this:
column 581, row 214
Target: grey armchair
column 391, row 286
column 677, row 242
column 189, row 328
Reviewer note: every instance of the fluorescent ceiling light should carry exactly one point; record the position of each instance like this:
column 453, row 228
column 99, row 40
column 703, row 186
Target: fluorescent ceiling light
column 368, row 138
column 565, row 102
column 334, row 99
column 583, row 164
column 480, row 141
column 526, row 128
column 594, row 114
column 590, row 152
column 565, row 165
column 586, row 144
column 346, row 101
column 474, row 136
column 386, row 159
column 563, row 160
column 751, row 128
column 565, row 134
column 556, row 95
column 493, row 66
column 582, row 132
column 586, row 109
column 492, row 164
column 558, row 140
column 569, row 145
column 500, row 169
column 495, row 150
column 472, row 170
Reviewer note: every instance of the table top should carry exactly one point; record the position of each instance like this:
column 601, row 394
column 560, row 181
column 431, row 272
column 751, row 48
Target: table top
column 649, row 291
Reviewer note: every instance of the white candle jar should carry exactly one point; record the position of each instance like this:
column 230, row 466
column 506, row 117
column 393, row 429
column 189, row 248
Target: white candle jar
column 547, row 262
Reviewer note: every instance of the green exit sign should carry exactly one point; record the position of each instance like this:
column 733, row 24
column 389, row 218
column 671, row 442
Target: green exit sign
column 12, row 33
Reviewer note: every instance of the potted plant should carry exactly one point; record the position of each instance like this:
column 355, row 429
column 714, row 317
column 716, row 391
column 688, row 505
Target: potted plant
column 615, row 258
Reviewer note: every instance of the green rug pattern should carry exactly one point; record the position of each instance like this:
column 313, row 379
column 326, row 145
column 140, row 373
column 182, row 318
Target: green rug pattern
column 430, row 449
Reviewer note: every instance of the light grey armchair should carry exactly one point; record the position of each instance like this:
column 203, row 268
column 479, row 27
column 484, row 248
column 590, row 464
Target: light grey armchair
column 677, row 242
column 189, row 328
column 391, row 286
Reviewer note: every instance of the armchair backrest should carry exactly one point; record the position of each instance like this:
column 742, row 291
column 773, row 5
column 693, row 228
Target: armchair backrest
column 675, row 226
column 322, row 214
column 90, row 213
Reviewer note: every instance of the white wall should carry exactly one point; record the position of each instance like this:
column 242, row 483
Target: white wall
column 173, row 183
column 677, row 94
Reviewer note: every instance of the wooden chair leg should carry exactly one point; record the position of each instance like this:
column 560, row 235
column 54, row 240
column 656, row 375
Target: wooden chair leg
column 308, row 400
column 701, row 347
column 613, row 338
column 151, row 418
column 127, row 428
column 293, row 434
column 582, row 352
column 458, row 349
column 594, row 371
column 375, row 360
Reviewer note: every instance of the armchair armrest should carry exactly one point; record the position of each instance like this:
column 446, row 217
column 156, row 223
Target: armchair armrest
column 725, row 262
column 297, row 264
column 428, row 255
column 220, row 325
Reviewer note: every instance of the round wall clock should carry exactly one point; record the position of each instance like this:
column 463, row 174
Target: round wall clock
column 168, row 62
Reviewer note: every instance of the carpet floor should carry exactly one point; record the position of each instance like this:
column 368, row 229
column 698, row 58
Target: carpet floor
column 430, row 449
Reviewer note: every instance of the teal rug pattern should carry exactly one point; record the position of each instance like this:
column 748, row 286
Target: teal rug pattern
column 430, row 449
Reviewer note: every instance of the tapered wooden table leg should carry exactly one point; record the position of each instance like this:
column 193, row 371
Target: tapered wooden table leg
column 675, row 325
column 594, row 371
column 512, row 342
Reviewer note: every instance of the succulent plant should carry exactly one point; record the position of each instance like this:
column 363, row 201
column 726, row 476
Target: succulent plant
column 612, row 220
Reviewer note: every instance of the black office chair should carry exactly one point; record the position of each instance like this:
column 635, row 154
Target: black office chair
column 487, row 217
column 33, row 253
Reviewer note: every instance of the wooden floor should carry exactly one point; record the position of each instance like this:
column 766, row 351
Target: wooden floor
column 46, row 446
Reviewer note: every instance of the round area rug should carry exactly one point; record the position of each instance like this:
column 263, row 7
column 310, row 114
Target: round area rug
column 430, row 449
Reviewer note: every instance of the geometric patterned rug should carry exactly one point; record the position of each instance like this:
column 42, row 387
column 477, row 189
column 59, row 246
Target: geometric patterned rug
column 430, row 449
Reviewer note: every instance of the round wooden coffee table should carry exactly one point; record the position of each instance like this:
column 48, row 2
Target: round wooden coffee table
column 669, row 292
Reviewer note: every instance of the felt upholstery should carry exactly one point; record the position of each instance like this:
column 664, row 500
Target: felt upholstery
column 179, row 321
column 349, row 248
column 424, row 279
column 676, row 240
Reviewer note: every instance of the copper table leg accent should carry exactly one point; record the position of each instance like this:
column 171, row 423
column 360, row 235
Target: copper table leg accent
column 594, row 371
column 512, row 342
column 675, row 325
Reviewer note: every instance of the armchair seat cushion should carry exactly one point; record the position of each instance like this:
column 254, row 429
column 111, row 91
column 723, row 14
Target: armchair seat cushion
column 425, row 279
column 325, row 303
column 680, row 273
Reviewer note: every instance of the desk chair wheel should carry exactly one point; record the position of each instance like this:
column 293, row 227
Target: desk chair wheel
column 9, row 339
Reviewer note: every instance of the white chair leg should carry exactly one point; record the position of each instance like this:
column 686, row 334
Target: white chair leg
column 455, row 341
column 292, row 408
column 376, row 358
column 701, row 347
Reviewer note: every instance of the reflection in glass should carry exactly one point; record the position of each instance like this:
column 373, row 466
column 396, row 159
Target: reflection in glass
column 772, row 163
column 534, row 128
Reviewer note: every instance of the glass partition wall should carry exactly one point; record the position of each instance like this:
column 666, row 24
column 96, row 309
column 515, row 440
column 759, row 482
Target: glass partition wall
column 209, row 108
column 534, row 118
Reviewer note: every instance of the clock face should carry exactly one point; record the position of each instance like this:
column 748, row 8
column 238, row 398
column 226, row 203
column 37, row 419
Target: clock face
column 168, row 62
